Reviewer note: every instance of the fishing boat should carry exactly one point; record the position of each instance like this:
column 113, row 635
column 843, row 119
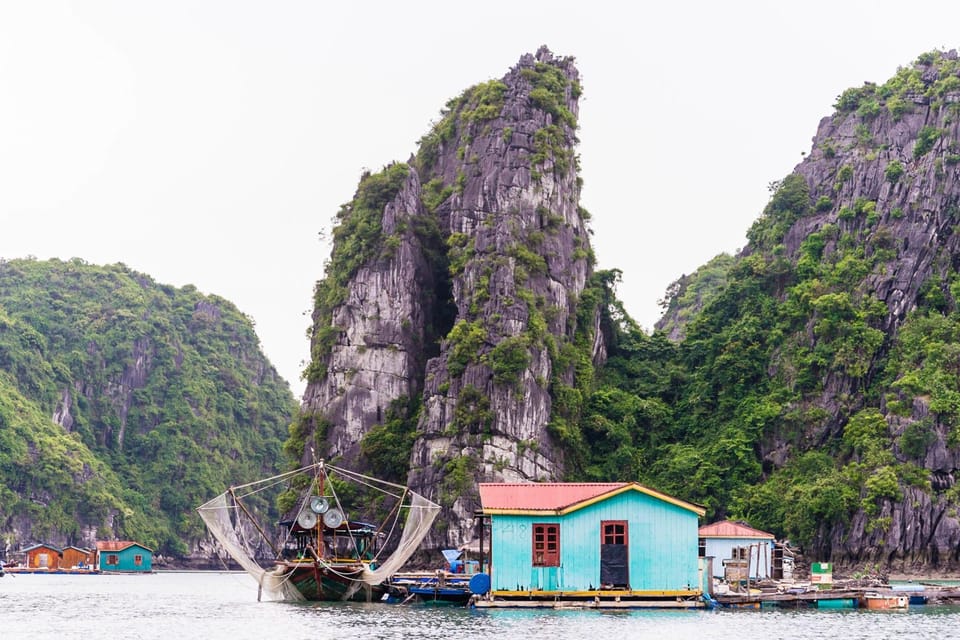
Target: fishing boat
column 317, row 551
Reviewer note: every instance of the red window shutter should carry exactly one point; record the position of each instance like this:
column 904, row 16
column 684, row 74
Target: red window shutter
column 546, row 545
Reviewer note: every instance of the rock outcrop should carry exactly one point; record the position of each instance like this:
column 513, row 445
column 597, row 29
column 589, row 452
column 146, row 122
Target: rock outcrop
column 469, row 300
column 859, row 237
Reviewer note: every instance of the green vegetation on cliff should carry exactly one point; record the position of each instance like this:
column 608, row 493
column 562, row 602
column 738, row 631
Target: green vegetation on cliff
column 160, row 399
column 804, row 384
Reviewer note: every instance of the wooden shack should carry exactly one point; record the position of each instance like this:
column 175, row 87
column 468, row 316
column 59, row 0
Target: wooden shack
column 738, row 549
column 78, row 558
column 42, row 557
column 619, row 542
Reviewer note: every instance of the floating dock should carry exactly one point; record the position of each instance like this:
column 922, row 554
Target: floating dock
column 597, row 599
column 882, row 597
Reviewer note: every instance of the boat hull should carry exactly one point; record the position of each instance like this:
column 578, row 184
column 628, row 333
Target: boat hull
column 879, row 602
column 438, row 587
column 332, row 583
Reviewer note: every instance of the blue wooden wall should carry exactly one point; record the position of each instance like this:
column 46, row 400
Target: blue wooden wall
column 662, row 546
column 722, row 549
column 127, row 559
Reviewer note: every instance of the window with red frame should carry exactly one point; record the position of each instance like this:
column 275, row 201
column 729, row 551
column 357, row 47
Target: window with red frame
column 546, row 545
column 614, row 532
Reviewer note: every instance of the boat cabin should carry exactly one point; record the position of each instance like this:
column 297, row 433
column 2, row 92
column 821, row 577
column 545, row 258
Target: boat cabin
column 323, row 530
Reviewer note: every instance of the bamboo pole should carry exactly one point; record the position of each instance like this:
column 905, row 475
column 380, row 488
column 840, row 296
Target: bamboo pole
column 254, row 521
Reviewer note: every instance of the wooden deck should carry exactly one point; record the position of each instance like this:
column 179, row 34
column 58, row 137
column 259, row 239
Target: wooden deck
column 597, row 599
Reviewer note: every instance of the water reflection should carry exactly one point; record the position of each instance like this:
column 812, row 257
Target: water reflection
column 184, row 606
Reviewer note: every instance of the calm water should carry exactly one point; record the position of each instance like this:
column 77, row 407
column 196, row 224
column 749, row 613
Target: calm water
column 181, row 606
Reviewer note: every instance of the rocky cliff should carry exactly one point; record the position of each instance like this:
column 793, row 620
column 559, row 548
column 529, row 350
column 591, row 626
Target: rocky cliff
column 813, row 388
column 888, row 160
column 855, row 266
column 452, row 316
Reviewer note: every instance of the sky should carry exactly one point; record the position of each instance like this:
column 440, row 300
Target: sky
column 211, row 142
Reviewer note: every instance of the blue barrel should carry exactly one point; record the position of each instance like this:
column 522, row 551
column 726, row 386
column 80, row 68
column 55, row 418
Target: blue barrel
column 480, row 584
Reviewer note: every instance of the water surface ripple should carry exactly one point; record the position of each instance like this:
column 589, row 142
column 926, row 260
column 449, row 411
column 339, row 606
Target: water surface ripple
column 180, row 606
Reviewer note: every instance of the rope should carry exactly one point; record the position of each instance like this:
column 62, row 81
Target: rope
column 223, row 519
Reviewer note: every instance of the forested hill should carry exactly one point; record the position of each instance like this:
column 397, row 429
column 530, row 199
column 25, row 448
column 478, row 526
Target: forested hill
column 124, row 404
column 817, row 389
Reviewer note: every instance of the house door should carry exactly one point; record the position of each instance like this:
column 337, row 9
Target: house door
column 614, row 556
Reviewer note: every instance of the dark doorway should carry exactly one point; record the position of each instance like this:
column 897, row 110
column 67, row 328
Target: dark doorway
column 614, row 555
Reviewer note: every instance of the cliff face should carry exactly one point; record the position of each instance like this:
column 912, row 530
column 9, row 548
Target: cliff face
column 859, row 254
column 516, row 229
column 471, row 304
column 894, row 179
column 382, row 326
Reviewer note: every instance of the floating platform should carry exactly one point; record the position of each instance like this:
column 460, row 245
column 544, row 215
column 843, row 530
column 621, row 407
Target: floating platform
column 598, row 599
column 45, row 571
column 823, row 599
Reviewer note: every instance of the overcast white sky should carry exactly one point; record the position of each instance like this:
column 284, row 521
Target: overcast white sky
column 210, row 142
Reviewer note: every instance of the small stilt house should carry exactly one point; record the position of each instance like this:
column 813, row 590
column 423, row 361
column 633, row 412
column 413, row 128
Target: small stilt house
column 618, row 540
column 125, row 556
column 738, row 550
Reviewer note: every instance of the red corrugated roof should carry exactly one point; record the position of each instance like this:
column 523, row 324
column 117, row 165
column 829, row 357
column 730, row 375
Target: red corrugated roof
column 545, row 496
column 117, row 545
column 730, row 529
column 561, row 497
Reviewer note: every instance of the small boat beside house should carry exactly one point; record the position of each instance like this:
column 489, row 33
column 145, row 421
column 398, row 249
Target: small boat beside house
column 884, row 600
column 318, row 552
column 448, row 585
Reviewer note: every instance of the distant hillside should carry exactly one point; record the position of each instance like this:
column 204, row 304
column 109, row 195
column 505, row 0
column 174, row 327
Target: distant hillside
column 124, row 404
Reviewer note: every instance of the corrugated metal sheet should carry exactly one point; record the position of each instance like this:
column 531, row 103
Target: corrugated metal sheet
column 561, row 498
column 113, row 545
column 546, row 496
column 730, row 529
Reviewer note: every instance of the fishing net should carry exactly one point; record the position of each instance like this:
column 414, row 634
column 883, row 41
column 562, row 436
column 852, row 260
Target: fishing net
column 224, row 520
column 420, row 516
column 232, row 525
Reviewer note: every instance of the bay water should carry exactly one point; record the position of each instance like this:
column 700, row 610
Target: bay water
column 181, row 606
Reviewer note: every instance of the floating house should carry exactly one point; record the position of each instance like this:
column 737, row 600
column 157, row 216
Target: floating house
column 78, row 558
column 42, row 557
column 124, row 556
column 738, row 550
column 590, row 544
